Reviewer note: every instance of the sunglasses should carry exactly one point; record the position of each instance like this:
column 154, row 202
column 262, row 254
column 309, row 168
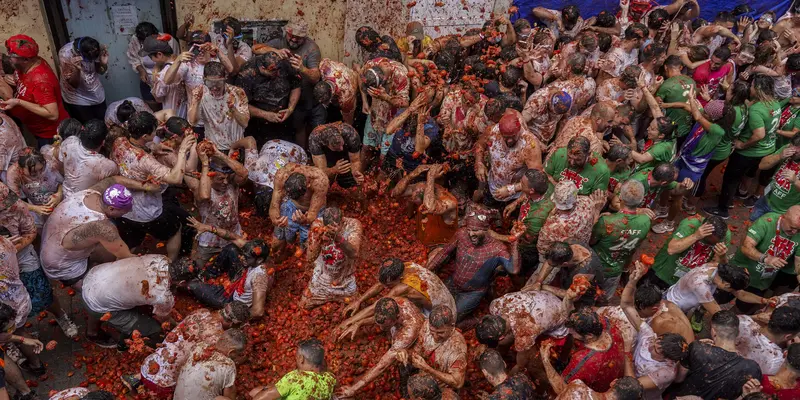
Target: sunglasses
column 479, row 217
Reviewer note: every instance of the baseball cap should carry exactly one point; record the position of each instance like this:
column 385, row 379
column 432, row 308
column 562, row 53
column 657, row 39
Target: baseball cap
column 565, row 195
column 414, row 28
column 155, row 44
column 22, row 46
column 297, row 28
column 199, row 37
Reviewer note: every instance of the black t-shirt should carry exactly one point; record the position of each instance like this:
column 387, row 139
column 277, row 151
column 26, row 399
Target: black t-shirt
column 517, row 387
column 268, row 94
column 311, row 56
column 319, row 136
column 715, row 373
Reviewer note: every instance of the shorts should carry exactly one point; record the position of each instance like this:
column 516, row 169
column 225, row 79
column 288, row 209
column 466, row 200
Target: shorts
column 290, row 232
column 164, row 227
column 373, row 138
column 308, row 118
column 86, row 113
column 684, row 172
column 39, row 289
column 127, row 321
column 72, row 281
column 159, row 391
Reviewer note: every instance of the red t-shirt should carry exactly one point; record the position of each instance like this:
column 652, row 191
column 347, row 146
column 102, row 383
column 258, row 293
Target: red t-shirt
column 703, row 75
column 792, row 393
column 597, row 369
column 39, row 85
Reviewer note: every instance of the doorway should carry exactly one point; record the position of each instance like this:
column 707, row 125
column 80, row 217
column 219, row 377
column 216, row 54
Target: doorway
column 112, row 23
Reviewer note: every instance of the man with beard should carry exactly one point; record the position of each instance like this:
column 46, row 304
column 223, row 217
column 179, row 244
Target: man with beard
column 273, row 92
column 336, row 149
column 36, row 102
column 386, row 82
column 544, row 110
column 334, row 243
column 510, row 149
column 220, row 107
column 714, row 75
column 577, row 164
column 478, row 256
column 228, row 39
column 304, row 56
column 592, row 127
column 300, row 193
column 338, row 86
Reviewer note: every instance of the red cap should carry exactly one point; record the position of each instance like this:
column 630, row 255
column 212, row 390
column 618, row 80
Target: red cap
column 22, row 46
column 509, row 124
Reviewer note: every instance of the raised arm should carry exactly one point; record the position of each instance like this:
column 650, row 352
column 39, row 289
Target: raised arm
column 319, row 195
column 626, row 302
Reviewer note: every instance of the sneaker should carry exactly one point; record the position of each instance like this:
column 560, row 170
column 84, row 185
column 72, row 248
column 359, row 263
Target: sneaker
column 39, row 371
column 664, row 227
column 131, row 382
column 103, row 340
column 741, row 195
column 662, row 212
column 750, row 201
column 690, row 209
column 722, row 213
column 67, row 326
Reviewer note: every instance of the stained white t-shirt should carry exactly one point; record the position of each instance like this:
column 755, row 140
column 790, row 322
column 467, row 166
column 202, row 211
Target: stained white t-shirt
column 205, row 379
column 83, row 168
column 752, row 344
column 262, row 167
column 128, row 283
column 662, row 373
column 694, row 288
column 111, row 111
column 90, row 89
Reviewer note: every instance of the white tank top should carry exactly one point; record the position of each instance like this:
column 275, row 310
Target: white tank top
column 58, row 262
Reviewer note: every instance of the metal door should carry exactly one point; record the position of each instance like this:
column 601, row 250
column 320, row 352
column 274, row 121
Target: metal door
column 112, row 23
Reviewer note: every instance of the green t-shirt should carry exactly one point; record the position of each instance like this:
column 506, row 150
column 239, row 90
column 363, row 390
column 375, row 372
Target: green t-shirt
column 676, row 90
column 618, row 236
column 763, row 231
column 304, row 385
column 533, row 214
column 708, row 142
column 650, row 192
column 670, row 268
column 594, row 175
column 790, row 114
column 725, row 146
column 618, row 177
column 662, row 152
column 762, row 115
column 782, row 194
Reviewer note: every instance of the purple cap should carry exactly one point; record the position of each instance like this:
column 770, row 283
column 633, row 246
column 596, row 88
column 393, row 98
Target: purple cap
column 118, row 196
column 561, row 102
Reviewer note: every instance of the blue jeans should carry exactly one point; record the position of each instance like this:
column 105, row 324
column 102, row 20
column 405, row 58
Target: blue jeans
column 290, row 232
column 760, row 208
column 466, row 302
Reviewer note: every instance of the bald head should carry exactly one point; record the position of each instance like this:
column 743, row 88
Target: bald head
column 603, row 115
column 790, row 223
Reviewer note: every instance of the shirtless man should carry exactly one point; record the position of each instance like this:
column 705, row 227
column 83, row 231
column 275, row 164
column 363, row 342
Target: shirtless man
column 592, row 127
column 406, row 280
column 519, row 318
column 80, row 228
column 453, row 116
column 403, row 320
column 300, row 194
column 510, row 149
column 436, row 208
column 626, row 388
column 544, row 110
column 334, row 243
column 338, row 85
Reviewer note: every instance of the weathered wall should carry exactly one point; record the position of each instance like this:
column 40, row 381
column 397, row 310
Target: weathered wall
column 325, row 18
column 26, row 17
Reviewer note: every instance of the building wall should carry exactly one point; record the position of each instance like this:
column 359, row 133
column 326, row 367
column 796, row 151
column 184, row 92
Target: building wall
column 26, row 17
column 325, row 18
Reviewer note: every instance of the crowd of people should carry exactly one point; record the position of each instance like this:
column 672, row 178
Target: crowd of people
column 541, row 153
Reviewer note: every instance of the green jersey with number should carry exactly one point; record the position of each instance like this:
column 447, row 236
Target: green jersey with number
column 782, row 193
column 725, row 146
column 770, row 240
column 671, row 267
column 618, row 236
column 676, row 90
column 662, row 152
column 765, row 115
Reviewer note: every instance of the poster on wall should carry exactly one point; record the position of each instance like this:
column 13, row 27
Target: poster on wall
column 256, row 31
column 124, row 19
